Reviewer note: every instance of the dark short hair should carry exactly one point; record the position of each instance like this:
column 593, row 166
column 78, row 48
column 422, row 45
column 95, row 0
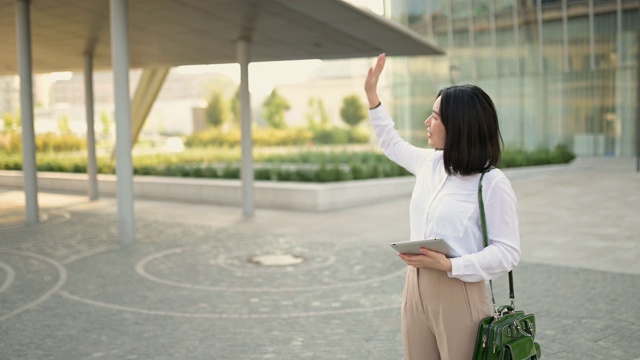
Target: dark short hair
column 473, row 141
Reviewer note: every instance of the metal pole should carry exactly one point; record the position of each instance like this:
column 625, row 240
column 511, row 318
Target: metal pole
column 92, row 167
column 592, row 43
column 472, row 40
column 540, row 37
column 638, row 97
column 246, row 174
column 619, row 49
column 565, row 37
column 430, row 19
column 449, row 27
column 29, row 172
column 124, row 163
column 516, row 37
column 494, row 46
column 450, row 41
column 542, row 89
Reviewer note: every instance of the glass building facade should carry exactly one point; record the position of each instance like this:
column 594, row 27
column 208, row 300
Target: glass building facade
column 559, row 71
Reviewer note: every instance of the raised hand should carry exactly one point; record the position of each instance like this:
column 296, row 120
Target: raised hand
column 371, row 83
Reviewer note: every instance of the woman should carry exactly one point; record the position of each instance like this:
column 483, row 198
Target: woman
column 445, row 299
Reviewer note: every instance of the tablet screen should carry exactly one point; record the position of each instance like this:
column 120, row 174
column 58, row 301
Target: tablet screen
column 413, row 247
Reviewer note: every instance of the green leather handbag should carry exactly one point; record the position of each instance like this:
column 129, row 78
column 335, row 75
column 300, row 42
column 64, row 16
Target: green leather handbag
column 508, row 334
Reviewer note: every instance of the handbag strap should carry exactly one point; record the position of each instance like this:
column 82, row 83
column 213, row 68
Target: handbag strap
column 485, row 238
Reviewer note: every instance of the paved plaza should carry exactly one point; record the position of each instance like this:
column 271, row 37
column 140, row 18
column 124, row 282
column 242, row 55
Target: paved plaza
column 192, row 287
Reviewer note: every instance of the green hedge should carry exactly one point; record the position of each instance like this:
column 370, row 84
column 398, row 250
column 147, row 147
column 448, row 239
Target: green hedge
column 340, row 136
column 261, row 137
column 515, row 158
column 279, row 137
column 12, row 143
column 306, row 166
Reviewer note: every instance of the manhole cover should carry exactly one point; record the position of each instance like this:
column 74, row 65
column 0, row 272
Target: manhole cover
column 276, row 260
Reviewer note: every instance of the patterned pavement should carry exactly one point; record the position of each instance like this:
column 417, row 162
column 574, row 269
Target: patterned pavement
column 191, row 287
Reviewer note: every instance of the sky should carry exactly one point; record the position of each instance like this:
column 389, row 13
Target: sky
column 262, row 76
column 265, row 75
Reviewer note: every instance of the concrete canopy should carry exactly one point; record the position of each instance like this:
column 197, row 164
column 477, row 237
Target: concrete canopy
column 70, row 35
column 185, row 32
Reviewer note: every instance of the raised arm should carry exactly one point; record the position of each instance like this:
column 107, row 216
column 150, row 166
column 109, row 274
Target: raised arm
column 371, row 83
column 392, row 145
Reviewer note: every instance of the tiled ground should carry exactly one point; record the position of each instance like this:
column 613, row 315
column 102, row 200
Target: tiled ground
column 187, row 289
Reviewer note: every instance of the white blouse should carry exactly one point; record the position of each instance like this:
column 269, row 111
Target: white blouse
column 446, row 206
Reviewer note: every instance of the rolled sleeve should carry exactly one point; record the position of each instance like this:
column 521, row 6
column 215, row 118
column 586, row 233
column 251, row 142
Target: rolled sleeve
column 392, row 145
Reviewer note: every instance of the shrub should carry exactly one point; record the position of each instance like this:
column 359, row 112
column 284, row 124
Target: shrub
column 261, row 137
column 10, row 124
column 275, row 137
column 562, row 154
column 214, row 137
column 307, row 166
column 11, row 162
column 339, row 136
column 58, row 143
column 330, row 135
column 11, row 142
column 515, row 158
column 358, row 136
column 49, row 142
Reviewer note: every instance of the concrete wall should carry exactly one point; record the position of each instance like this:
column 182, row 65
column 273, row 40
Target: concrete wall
column 268, row 194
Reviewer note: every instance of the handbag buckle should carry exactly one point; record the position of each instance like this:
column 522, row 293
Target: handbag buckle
column 496, row 315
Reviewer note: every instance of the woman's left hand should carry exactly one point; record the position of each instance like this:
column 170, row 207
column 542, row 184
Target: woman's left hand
column 371, row 82
column 428, row 259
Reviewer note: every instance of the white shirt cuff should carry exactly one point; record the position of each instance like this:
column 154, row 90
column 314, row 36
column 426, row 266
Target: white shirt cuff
column 457, row 267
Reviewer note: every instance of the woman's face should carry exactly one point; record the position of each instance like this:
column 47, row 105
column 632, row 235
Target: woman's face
column 435, row 128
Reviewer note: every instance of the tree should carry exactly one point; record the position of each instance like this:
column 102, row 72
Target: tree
column 235, row 107
column 217, row 111
column 63, row 125
column 353, row 110
column 106, row 122
column 317, row 116
column 10, row 123
column 274, row 108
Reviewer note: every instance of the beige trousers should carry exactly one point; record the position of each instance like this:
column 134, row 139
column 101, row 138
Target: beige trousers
column 440, row 315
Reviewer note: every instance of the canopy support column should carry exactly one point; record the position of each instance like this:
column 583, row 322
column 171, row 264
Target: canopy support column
column 124, row 162
column 29, row 172
column 638, row 99
column 92, row 166
column 246, row 173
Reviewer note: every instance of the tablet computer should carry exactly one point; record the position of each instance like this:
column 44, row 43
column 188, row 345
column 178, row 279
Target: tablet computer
column 413, row 247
